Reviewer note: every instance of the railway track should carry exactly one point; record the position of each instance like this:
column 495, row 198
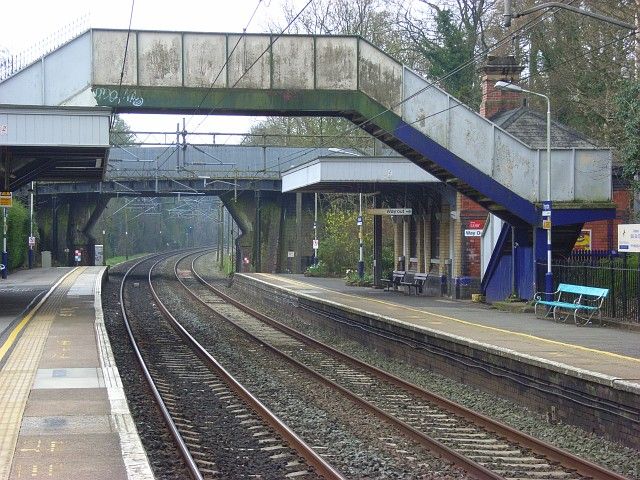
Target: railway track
column 219, row 428
column 481, row 446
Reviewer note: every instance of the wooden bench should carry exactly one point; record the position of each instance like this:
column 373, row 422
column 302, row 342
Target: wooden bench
column 394, row 281
column 416, row 281
column 583, row 302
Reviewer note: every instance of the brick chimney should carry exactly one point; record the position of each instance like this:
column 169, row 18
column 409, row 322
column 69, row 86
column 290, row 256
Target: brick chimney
column 494, row 100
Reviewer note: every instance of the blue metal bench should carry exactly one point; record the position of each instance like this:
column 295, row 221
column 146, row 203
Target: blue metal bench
column 583, row 302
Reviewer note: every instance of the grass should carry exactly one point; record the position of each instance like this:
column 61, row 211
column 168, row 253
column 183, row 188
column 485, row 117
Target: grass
column 115, row 260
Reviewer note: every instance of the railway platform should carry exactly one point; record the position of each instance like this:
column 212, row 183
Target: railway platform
column 574, row 373
column 63, row 413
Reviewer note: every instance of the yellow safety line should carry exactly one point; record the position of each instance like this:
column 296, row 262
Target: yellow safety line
column 18, row 328
column 465, row 322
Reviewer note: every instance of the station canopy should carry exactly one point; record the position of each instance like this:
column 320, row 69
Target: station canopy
column 52, row 144
column 353, row 174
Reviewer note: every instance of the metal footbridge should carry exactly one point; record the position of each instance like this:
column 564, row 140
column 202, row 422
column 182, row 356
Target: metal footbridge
column 263, row 74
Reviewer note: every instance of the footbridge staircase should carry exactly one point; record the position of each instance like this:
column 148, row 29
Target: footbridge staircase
column 263, row 74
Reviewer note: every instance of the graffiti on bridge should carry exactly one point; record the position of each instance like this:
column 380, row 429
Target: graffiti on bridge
column 114, row 96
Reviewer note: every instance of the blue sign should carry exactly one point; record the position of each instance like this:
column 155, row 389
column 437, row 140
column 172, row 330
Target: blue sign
column 359, row 221
column 546, row 208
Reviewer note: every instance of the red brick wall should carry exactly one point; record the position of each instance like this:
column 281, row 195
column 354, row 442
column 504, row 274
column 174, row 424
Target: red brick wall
column 470, row 210
column 494, row 100
column 600, row 239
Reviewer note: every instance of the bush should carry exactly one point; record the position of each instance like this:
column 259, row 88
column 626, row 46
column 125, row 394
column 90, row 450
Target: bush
column 352, row 278
column 319, row 270
column 17, row 233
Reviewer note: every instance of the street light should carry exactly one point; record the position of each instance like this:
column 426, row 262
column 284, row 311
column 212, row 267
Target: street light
column 31, row 242
column 548, row 278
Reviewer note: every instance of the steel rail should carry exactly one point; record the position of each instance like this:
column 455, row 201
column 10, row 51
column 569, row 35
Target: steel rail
column 321, row 466
column 568, row 460
column 470, row 466
column 190, row 463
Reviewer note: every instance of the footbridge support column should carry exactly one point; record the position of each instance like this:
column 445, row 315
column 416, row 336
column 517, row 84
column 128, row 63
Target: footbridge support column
column 258, row 215
column 82, row 215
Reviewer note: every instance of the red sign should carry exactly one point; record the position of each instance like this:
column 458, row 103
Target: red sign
column 476, row 224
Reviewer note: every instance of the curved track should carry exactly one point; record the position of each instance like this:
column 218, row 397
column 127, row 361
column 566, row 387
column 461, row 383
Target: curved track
column 481, row 446
column 219, row 428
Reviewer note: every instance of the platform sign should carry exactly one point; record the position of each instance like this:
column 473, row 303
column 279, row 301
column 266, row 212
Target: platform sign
column 98, row 255
column 584, row 240
column 6, row 199
column 390, row 211
column 629, row 238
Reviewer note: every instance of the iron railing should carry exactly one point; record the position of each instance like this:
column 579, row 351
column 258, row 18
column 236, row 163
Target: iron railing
column 620, row 273
column 12, row 64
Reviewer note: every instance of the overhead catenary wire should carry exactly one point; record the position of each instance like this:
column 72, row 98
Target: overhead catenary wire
column 124, row 63
column 266, row 50
column 293, row 157
column 522, row 29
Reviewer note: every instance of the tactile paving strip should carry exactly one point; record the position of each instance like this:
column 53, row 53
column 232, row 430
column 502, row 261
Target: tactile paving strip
column 17, row 375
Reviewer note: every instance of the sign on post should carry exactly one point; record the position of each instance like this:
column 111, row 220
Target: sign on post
column 6, row 199
column 98, row 255
column 474, row 228
column 291, row 254
column 389, row 211
column 546, row 208
column 316, row 244
column 629, row 237
column 32, row 241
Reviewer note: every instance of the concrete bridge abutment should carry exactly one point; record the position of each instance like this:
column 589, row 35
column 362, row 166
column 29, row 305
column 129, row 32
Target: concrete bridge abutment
column 276, row 230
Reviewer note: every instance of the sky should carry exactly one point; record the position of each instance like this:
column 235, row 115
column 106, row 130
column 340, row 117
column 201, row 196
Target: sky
column 27, row 22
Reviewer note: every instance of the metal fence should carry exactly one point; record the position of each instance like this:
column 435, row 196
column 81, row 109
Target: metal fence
column 13, row 63
column 620, row 273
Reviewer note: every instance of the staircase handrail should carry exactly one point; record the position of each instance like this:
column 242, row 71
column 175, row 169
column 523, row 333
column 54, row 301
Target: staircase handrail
column 12, row 64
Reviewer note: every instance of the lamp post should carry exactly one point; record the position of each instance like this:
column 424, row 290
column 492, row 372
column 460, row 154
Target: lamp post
column 31, row 227
column 315, row 228
column 548, row 278
column 361, row 241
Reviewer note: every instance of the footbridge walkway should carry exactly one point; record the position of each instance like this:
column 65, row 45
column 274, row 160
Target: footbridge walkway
column 264, row 74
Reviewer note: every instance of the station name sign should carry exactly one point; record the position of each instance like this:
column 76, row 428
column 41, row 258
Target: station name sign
column 6, row 199
column 390, row 211
column 629, row 237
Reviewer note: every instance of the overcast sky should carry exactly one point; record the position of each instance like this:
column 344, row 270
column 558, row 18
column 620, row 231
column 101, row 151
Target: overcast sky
column 25, row 22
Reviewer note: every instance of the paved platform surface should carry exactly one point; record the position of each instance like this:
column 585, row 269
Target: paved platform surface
column 611, row 354
column 20, row 289
column 63, row 413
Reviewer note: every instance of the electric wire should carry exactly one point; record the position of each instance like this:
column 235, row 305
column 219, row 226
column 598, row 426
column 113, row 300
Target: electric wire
column 259, row 57
column 124, row 63
column 522, row 29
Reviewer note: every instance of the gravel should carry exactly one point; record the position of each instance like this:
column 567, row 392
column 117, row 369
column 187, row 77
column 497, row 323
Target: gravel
column 584, row 444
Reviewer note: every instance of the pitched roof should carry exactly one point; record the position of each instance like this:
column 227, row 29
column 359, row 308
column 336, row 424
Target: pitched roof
column 530, row 126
